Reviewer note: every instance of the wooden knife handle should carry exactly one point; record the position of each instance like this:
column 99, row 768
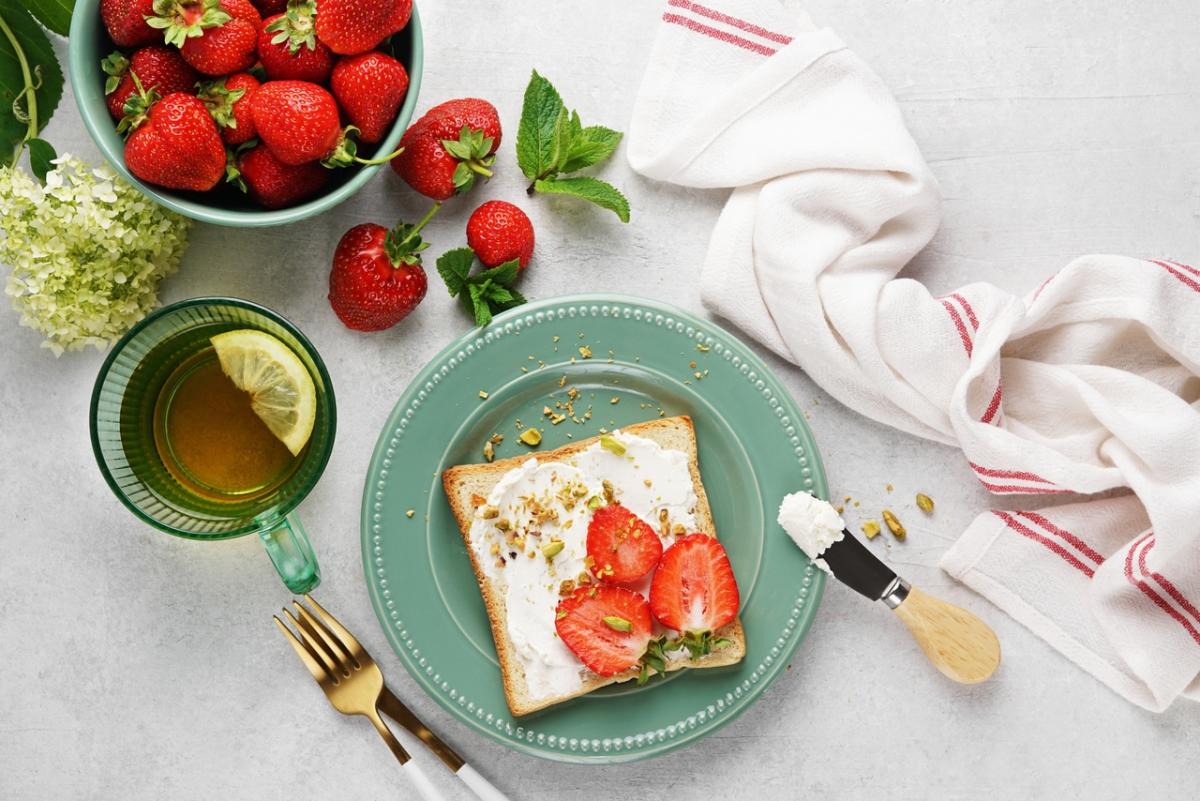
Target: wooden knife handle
column 958, row 644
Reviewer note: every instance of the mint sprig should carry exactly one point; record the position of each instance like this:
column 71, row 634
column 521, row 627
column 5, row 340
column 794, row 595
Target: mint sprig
column 484, row 293
column 552, row 141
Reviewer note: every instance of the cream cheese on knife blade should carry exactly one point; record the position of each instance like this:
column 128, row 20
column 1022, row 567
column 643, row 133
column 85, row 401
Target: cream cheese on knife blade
column 813, row 524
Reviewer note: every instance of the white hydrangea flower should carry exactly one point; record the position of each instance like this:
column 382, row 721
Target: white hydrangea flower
column 87, row 252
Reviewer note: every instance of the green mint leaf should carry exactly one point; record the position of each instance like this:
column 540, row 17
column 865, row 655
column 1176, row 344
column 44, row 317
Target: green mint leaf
column 593, row 145
column 454, row 266
column 594, row 190
column 54, row 14
column 41, row 153
column 506, row 273
column 517, row 299
column 565, row 130
column 45, row 74
column 498, row 294
column 539, row 120
column 480, row 308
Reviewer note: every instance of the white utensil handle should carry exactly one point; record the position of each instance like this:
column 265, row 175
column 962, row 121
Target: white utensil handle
column 424, row 787
column 482, row 788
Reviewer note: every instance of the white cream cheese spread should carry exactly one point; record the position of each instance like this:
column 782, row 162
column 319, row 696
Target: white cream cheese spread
column 530, row 537
column 813, row 524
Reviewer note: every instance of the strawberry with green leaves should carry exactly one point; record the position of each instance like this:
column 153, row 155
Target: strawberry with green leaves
column 370, row 88
column 173, row 141
column 445, row 150
column 217, row 37
column 273, row 184
column 349, row 27
column 499, row 232
column 158, row 67
column 483, row 293
column 288, row 47
column 228, row 101
column 377, row 278
column 695, row 593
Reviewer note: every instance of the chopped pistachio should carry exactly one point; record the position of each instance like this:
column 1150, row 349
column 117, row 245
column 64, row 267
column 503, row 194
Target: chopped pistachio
column 595, row 502
column 483, row 395
column 489, row 513
column 617, row 623
column 531, row 437
column 585, row 351
column 560, row 615
column 615, row 400
column 410, row 513
column 497, row 439
column 893, row 524
column 692, row 364
column 555, row 419
column 552, row 548
column 489, row 450
column 503, row 524
column 889, row 487
column 703, row 348
column 546, row 410
column 678, row 529
column 871, row 529
column 557, row 337
column 612, row 444
column 925, row 503
column 610, row 494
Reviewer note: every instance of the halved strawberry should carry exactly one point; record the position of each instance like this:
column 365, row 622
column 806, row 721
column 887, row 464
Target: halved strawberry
column 608, row 628
column 622, row 546
column 694, row 592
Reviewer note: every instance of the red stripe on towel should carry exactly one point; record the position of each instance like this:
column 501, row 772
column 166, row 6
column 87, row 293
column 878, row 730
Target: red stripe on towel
column 1017, row 488
column 1195, row 285
column 1149, row 592
column 956, row 318
column 967, row 308
column 994, row 404
column 1080, row 545
column 1170, row 588
column 1021, row 474
column 719, row 35
column 1050, row 544
column 741, row 24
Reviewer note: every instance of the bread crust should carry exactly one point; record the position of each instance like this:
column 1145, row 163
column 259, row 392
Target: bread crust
column 467, row 486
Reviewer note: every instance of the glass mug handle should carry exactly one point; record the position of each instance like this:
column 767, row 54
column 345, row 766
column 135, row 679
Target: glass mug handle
column 287, row 545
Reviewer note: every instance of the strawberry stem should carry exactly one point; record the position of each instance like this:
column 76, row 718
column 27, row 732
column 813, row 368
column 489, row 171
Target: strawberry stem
column 380, row 160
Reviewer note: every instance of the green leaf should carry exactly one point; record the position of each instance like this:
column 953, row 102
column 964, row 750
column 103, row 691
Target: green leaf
column 564, row 138
column 539, row 118
column 594, row 190
column 453, row 267
column 45, row 73
column 504, row 274
column 483, row 313
column 54, row 14
column 517, row 299
column 593, row 145
column 498, row 294
column 41, row 153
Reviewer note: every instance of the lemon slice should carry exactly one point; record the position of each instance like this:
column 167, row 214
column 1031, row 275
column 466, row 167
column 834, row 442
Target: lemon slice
column 281, row 390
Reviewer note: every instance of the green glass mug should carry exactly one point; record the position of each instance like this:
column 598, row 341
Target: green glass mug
column 123, row 417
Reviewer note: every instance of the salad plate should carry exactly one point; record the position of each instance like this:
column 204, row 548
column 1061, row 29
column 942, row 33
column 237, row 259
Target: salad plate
column 626, row 360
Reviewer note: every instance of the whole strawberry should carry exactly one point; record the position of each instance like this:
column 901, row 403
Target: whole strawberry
column 125, row 21
column 288, row 48
column 174, row 142
column 446, row 149
column 499, row 232
column 298, row 120
column 228, row 101
column 356, row 26
column 377, row 277
column 370, row 88
column 275, row 185
column 217, row 37
column 158, row 67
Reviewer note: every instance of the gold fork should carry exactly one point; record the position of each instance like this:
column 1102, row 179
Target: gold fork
column 354, row 685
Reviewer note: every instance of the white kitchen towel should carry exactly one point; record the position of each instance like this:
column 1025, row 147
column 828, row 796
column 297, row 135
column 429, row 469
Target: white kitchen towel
column 1089, row 383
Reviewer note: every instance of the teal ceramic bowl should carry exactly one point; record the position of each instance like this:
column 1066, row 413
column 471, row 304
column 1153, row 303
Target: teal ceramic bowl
column 89, row 43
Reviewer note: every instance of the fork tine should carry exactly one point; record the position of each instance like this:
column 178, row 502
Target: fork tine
column 333, row 667
column 338, row 648
column 310, row 661
column 339, row 630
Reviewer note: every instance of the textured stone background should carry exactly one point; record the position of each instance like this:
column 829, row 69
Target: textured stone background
column 142, row 667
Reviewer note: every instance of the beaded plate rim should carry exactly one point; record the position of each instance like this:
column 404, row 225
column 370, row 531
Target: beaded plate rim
column 501, row 727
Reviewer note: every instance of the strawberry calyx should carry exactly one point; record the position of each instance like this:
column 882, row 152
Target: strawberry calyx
column 699, row 643
column 345, row 152
column 403, row 243
column 233, row 175
column 180, row 20
column 219, row 100
column 296, row 26
column 115, row 65
column 137, row 106
column 473, row 150
column 655, row 659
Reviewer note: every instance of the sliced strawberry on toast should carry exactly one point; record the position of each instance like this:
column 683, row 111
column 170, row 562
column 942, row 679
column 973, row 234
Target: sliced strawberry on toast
column 622, row 546
column 694, row 592
column 608, row 628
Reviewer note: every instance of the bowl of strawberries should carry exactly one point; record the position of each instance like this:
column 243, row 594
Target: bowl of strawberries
column 246, row 112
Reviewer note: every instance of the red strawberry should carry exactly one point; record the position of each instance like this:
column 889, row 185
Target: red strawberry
column 694, row 592
column 125, row 21
column 356, row 26
column 377, row 277
column 608, row 628
column 273, row 184
column 288, row 48
column 174, row 142
column 216, row 37
column 370, row 88
column 499, row 232
column 622, row 546
column 228, row 101
column 448, row 147
column 158, row 67
column 298, row 120
column 269, row 7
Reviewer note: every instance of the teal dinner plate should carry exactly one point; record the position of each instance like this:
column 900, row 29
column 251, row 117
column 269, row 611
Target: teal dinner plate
column 645, row 357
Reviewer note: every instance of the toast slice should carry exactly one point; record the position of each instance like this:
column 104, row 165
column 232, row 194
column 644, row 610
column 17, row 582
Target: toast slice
column 467, row 489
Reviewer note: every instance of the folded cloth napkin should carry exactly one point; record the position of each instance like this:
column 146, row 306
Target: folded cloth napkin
column 1089, row 383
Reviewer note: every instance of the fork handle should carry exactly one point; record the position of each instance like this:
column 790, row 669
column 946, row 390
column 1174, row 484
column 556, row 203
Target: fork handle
column 425, row 788
column 481, row 787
